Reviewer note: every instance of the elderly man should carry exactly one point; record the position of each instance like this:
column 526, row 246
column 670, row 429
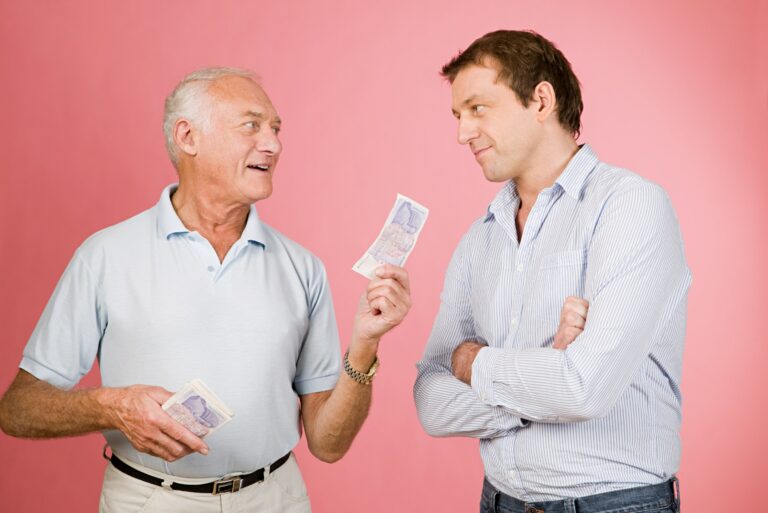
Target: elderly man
column 199, row 287
column 574, row 412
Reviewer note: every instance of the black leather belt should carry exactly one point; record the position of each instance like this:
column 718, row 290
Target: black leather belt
column 231, row 484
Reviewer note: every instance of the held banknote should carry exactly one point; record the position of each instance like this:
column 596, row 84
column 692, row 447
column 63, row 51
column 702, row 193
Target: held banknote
column 198, row 409
column 396, row 239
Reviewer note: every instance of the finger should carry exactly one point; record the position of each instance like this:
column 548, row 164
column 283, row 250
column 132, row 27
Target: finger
column 389, row 283
column 383, row 305
column 393, row 271
column 157, row 449
column 571, row 334
column 171, row 446
column 158, row 394
column 576, row 304
column 386, row 284
column 397, row 297
column 573, row 319
column 182, row 435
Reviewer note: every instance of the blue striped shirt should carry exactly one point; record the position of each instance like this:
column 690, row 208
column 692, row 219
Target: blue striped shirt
column 604, row 414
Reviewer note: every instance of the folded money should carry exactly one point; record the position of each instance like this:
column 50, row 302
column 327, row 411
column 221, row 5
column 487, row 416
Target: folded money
column 198, row 409
column 396, row 239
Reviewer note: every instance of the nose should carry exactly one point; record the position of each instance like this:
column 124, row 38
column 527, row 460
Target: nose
column 467, row 130
column 268, row 142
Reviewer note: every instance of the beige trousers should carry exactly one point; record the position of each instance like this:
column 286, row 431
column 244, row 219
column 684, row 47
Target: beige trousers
column 281, row 492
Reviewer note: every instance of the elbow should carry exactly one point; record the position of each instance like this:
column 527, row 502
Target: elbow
column 430, row 422
column 328, row 449
column 431, row 426
column 6, row 424
column 327, row 455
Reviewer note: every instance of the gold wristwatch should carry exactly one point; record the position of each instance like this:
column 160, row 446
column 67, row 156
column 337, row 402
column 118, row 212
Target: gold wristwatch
column 364, row 378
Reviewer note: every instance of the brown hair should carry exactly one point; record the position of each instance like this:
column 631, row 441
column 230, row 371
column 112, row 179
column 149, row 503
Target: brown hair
column 524, row 59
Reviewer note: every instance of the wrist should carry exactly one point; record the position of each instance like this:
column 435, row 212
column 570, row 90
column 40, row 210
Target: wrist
column 362, row 352
column 106, row 403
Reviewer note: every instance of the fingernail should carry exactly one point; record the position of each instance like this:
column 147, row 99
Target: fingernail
column 204, row 450
column 380, row 271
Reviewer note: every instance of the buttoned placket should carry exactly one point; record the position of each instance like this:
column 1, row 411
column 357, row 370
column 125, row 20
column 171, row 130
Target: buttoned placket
column 522, row 253
column 208, row 255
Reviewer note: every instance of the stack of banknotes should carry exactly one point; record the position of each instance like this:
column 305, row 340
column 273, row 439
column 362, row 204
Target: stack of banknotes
column 198, row 409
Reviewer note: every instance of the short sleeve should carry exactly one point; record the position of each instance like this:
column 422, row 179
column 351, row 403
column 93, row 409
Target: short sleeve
column 66, row 340
column 317, row 368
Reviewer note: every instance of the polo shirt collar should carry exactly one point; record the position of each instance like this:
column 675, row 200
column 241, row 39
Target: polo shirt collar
column 168, row 221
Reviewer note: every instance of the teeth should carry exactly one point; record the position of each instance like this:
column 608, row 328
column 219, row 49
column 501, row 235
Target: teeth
column 261, row 167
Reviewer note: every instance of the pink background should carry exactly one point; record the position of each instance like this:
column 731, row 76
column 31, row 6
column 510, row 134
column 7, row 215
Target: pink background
column 677, row 91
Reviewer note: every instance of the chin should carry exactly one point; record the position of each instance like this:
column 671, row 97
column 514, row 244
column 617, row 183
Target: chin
column 493, row 176
column 257, row 194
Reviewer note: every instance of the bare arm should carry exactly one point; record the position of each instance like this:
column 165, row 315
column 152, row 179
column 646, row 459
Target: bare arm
column 32, row 408
column 333, row 418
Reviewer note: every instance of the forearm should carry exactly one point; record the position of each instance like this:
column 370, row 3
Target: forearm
column 32, row 408
column 341, row 415
column 448, row 407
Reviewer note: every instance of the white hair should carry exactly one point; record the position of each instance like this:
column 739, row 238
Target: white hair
column 189, row 100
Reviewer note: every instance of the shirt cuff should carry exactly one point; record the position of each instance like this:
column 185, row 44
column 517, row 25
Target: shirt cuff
column 482, row 375
column 483, row 369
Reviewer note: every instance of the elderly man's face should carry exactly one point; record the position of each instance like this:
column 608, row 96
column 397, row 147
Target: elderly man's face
column 239, row 151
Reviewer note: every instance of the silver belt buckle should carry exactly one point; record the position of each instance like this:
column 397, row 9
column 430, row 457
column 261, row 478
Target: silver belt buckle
column 226, row 486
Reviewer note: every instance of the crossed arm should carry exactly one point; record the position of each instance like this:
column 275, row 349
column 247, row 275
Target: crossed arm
column 637, row 282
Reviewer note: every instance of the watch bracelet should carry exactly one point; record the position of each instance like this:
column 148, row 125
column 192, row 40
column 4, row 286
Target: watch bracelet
column 356, row 375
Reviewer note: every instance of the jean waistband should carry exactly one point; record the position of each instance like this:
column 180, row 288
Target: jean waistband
column 644, row 498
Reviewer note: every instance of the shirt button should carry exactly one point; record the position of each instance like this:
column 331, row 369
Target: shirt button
column 210, row 268
column 519, row 267
column 514, row 321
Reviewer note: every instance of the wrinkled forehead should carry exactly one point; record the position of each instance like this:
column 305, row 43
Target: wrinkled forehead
column 237, row 93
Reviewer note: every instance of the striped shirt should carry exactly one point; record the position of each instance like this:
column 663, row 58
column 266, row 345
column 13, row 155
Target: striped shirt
column 604, row 414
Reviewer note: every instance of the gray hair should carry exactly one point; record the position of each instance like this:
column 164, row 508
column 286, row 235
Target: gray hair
column 189, row 101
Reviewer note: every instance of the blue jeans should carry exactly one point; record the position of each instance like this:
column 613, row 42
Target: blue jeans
column 660, row 498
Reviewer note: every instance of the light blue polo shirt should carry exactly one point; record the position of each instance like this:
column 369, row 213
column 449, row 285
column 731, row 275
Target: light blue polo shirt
column 152, row 302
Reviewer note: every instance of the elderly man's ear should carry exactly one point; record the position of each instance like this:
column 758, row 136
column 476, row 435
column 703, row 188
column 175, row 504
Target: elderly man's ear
column 186, row 137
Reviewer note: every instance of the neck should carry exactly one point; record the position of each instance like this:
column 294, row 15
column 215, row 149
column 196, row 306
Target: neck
column 204, row 209
column 547, row 164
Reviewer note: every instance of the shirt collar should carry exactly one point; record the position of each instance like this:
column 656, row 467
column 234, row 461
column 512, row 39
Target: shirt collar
column 168, row 221
column 503, row 199
column 572, row 180
column 574, row 176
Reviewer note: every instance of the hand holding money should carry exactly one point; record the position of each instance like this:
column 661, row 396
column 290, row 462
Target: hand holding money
column 136, row 411
column 198, row 409
column 384, row 304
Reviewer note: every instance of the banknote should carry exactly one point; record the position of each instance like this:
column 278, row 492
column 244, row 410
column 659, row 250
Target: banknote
column 197, row 408
column 396, row 239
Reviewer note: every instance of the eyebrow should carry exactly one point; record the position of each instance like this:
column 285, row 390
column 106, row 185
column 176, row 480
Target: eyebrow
column 260, row 116
column 466, row 102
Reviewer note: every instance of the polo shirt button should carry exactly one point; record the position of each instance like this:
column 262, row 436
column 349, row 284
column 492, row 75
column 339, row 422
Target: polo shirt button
column 210, row 268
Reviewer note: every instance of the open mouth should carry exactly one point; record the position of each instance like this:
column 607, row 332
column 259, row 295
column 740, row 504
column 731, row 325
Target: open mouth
column 258, row 167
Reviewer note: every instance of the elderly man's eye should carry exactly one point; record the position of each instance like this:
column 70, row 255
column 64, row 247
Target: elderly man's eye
column 251, row 124
column 478, row 109
column 276, row 130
